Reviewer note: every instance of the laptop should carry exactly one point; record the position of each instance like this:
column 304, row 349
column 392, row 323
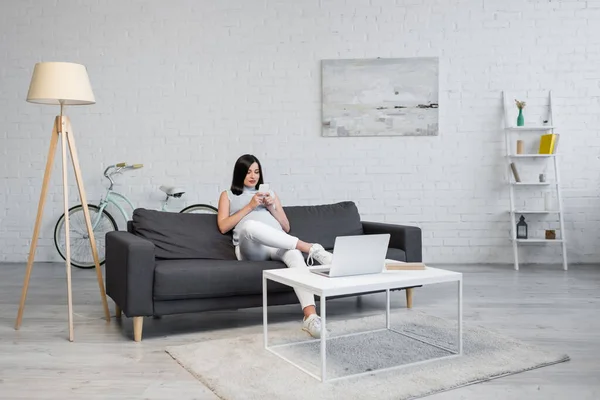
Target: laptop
column 356, row 255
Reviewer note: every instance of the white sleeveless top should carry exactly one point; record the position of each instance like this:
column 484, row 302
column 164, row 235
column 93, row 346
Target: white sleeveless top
column 260, row 213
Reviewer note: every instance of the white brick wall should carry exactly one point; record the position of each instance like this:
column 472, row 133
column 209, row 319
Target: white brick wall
column 185, row 87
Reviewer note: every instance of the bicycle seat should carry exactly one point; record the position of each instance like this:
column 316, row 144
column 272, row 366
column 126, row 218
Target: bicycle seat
column 172, row 190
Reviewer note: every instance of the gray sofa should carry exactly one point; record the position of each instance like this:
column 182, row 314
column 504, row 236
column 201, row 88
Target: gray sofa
column 172, row 263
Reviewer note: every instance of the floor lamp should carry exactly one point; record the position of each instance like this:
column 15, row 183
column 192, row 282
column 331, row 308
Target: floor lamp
column 60, row 83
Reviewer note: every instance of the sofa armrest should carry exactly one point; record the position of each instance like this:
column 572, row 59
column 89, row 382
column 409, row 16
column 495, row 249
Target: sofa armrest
column 407, row 238
column 130, row 264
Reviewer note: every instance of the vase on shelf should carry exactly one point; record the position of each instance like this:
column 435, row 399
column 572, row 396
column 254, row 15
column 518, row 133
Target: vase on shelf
column 520, row 118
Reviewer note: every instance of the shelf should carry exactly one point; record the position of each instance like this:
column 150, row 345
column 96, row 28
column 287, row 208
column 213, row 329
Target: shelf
column 532, row 183
column 536, row 212
column 539, row 123
column 530, row 128
column 532, row 155
column 538, row 240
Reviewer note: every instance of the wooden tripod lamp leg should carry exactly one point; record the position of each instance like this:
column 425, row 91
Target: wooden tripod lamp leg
column 86, row 213
column 38, row 220
column 63, row 141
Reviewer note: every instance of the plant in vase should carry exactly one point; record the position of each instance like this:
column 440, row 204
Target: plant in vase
column 520, row 118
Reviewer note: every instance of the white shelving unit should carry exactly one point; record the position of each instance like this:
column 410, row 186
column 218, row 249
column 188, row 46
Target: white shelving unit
column 532, row 155
column 533, row 183
column 510, row 130
column 536, row 212
column 529, row 128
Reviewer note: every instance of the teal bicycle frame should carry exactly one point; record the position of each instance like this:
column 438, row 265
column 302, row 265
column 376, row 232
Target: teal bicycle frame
column 110, row 198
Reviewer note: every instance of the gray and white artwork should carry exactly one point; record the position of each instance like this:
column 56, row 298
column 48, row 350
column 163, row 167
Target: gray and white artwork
column 380, row 97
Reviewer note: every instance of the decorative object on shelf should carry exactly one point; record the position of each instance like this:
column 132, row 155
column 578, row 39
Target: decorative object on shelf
column 520, row 118
column 380, row 97
column 522, row 228
column 542, row 178
column 513, row 167
column 548, row 143
column 520, row 146
column 550, row 234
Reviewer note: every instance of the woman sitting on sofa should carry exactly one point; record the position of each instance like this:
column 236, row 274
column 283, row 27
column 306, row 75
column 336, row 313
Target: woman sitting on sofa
column 260, row 231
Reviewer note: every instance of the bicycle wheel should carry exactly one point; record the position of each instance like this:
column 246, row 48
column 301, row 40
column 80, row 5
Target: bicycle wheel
column 81, row 251
column 200, row 209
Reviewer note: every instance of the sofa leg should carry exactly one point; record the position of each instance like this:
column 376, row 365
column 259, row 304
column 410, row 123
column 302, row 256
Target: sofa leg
column 358, row 301
column 138, row 323
column 118, row 311
column 409, row 294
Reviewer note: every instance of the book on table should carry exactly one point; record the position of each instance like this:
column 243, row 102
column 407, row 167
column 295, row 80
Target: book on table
column 394, row 265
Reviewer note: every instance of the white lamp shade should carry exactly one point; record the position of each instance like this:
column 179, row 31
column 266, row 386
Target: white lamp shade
column 60, row 83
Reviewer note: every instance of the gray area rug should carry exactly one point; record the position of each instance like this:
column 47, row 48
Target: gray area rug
column 240, row 368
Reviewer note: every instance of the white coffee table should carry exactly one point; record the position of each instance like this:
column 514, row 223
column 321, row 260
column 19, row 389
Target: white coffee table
column 328, row 287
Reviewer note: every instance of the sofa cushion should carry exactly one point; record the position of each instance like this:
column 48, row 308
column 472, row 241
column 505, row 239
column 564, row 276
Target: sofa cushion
column 395, row 254
column 323, row 223
column 203, row 279
column 183, row 236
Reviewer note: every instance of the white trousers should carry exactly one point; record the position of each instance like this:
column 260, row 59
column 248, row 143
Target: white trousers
column 259, row 242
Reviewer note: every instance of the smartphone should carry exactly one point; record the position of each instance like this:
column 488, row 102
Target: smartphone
column 263, row 188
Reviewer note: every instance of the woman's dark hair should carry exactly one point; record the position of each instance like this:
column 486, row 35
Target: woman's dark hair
column 240, row 170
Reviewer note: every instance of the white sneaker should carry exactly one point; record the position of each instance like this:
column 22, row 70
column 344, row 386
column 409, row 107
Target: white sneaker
column 312, row 325
column 317, row 252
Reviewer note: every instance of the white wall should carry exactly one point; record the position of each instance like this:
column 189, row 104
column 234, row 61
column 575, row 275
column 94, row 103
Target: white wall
column 185, row 87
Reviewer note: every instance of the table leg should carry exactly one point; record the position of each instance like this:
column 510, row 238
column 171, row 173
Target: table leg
column 323, row 340
column 265, row 331
column 460, row 315
column 387, row 308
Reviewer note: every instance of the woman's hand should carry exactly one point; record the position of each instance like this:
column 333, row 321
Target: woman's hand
column 255, row 201
column 275, row 208
column 268, row 200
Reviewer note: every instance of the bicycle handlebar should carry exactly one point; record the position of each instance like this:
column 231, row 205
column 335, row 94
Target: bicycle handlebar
column 121, row 166
column 117, row 169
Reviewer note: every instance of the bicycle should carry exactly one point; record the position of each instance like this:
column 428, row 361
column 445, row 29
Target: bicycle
column 103, row 222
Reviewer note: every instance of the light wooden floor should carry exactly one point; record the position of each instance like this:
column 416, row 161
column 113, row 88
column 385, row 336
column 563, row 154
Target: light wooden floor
column 542, row 305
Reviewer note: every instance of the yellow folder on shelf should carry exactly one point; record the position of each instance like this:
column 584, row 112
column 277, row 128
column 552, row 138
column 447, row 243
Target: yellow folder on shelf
column 548, row 143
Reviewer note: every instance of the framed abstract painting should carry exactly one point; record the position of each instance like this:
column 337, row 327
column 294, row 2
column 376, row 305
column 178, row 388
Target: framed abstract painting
column 380, row 97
